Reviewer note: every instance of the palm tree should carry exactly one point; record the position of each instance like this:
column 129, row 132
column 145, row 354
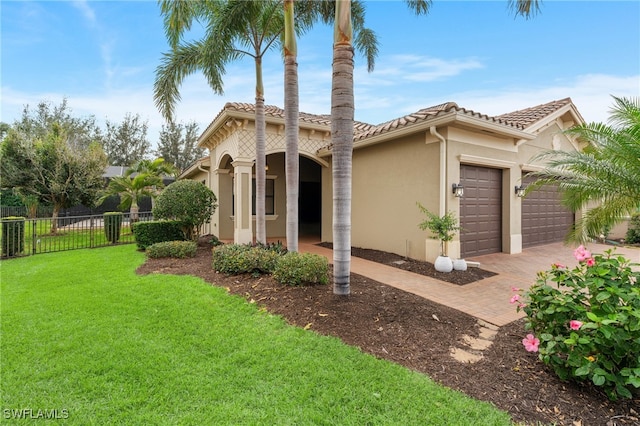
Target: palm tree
column 606, row 173
column 157, row 168
column 131, row 189
column 342, row 112
column 232, row 27
column 291, row 113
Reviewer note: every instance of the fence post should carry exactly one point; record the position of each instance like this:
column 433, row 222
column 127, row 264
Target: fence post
column 91, row 241
column 34, row 235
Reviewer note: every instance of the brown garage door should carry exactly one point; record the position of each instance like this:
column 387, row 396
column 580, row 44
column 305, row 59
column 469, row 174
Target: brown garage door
column 480, row 211
column 544, row 219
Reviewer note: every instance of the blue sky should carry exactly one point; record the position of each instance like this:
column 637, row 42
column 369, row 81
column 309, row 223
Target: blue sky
column 102, row 56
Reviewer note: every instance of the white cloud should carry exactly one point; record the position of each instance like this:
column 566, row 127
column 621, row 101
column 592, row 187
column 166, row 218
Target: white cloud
column 86, row 10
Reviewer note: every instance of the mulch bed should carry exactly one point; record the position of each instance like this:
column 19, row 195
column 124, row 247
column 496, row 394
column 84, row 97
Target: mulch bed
column 471, row 275
column 419, row 334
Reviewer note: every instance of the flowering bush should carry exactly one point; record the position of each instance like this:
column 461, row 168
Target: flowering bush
column 585, row 322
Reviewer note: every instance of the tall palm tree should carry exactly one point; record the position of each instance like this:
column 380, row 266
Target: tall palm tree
column 605, row 174
column 291, row 113
column 235, row 29
column 342, row 112
column 233, row 26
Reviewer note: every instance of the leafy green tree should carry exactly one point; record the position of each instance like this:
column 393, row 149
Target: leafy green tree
column 604, row 178
column 178, row 144
column 126, row 143
column 39, row 122
column 4, row 129
column 188, row 201
column 58, row 172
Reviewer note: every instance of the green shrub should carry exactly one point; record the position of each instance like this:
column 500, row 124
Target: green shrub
column 235, row 259
column 178, row 249
column 302, row 268
column 633, row 231
column 585, row 322
column 188, row 201
column 112, row 226
column 215, row 241
column 157, row 231
column 12, row 235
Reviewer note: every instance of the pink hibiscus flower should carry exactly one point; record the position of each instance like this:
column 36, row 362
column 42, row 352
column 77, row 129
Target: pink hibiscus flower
column 581, row 253
column 575, row 324
column 531, row 343
column 591, row 261
column 514, row 298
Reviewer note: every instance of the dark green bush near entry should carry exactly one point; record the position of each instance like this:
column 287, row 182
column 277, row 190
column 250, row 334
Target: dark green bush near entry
column 12, row 235
column 112, row 226
column 177, row 249
column 302, row 268
column 633, row 231
column 188, row 201
column 235, row 259
column 157, row 231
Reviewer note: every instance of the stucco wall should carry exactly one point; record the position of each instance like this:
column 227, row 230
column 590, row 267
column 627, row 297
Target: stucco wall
column 388, row 180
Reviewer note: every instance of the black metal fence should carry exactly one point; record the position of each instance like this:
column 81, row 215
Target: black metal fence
column 46, row 235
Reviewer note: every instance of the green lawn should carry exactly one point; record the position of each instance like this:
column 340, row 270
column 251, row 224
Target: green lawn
column 81, row 332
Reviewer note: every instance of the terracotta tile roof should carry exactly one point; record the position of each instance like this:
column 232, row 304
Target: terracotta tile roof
column 274, row 111
column 526, row 117
column 520, row 119
column 428, row 113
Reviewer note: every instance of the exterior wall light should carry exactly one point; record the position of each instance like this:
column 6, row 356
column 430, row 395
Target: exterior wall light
column 458, row 190
column 520, row 190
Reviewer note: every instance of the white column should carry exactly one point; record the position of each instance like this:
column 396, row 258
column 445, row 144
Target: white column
column 243, row 224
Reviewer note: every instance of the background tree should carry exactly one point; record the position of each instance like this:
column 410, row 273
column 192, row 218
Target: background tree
column 604, row 178
column 53, row 169
column 38, row 123
column 4, row 129
column 178, row 144
column 126, row 143
column 188, row 201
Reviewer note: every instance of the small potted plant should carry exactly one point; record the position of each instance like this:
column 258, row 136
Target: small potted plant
column 444, row 228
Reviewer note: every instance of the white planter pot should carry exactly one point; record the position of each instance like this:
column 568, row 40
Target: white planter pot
column 443, row 264
column 460, row 265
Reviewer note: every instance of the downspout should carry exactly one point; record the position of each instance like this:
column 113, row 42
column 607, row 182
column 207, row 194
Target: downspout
column 443, row 170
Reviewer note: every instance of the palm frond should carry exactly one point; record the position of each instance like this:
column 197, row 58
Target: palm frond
column 175, row 66
column 526, row 8
column 366, row 42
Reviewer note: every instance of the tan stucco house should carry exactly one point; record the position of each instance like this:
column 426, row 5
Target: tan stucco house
column 416, row 158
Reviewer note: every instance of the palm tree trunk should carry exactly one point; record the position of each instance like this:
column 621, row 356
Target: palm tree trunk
column 291, row 124
column 261, row 226
column 342, row 109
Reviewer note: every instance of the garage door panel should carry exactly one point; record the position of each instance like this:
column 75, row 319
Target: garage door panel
column 480, row 210
column 544, row 219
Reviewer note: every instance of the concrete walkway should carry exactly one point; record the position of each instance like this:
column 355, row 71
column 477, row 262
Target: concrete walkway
column 487, row 299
